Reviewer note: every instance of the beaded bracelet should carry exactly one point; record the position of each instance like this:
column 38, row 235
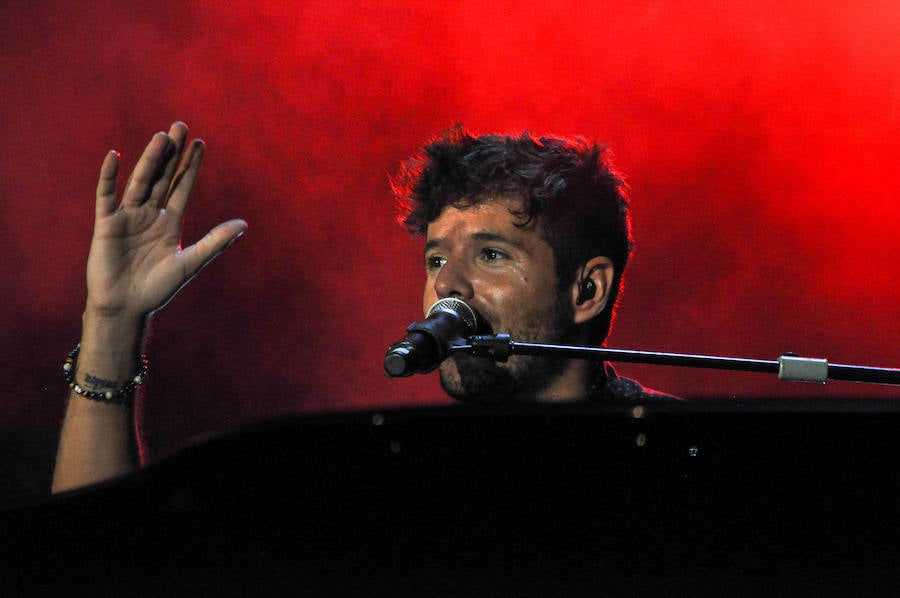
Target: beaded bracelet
column 120, row 397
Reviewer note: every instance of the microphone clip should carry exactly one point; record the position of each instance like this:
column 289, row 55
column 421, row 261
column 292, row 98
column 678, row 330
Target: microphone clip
column 494, row 346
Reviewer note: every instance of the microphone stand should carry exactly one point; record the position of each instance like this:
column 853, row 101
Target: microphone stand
column 788, row 367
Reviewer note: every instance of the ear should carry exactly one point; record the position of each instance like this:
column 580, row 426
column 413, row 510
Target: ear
column 588, row 302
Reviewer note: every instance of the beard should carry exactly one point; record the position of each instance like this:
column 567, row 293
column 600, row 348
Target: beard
column 472, row 379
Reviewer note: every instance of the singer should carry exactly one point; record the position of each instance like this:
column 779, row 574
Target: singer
column 532, row 233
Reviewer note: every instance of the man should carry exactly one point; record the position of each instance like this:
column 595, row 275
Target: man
column 534, row 234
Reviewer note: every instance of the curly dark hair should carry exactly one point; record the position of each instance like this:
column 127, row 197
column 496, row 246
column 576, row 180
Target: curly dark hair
column 567, row 184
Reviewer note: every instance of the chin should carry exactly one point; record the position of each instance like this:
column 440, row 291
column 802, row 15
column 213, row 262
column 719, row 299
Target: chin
column 471, row 379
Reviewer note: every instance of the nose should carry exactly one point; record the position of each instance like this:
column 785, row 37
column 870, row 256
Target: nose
column 453, row 280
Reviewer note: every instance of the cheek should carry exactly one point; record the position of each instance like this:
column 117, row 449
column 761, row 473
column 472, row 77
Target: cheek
column 526, row 307
column 519, row 293
column 504, row 306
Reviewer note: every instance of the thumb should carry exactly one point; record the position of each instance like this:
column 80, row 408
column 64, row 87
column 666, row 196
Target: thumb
column 210, row 246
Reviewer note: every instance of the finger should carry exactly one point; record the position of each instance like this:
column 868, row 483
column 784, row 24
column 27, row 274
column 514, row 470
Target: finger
column 214, row 243
column 184, row 181
column 178, row 133
column 106, row 185
column 148, row 171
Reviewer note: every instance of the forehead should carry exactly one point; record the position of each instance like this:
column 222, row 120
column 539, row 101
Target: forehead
column 501, row 216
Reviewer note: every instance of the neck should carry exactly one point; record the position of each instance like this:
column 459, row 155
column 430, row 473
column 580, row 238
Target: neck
column 573, row 384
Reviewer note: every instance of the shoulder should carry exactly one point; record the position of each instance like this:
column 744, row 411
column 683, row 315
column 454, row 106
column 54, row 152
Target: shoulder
column 619, row 388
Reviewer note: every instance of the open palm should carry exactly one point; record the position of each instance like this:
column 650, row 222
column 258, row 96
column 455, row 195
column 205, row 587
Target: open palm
column 136, row 262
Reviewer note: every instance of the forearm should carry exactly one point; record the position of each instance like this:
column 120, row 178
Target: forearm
column 98, row 441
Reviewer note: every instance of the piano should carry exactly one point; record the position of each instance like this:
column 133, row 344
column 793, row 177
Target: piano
column 733, row 498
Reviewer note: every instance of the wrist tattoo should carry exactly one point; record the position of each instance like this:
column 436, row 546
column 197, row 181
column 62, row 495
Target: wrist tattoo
column 97, row 383
column 96, row 388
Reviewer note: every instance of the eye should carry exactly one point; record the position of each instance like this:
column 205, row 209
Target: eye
column 489, row 254
column 434, row 262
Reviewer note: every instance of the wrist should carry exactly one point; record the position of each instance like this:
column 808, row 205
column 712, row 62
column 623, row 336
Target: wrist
column 99, row 389
column 110, row 345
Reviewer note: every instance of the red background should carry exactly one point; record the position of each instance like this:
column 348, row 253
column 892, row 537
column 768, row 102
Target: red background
column 760, row 140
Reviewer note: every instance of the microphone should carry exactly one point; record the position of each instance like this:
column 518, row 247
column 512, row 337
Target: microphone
column 446, row 324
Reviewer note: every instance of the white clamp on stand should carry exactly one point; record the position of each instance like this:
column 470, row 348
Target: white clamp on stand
column 802, row 369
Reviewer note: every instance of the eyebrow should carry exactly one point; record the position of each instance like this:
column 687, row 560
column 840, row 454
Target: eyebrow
column 479, row 236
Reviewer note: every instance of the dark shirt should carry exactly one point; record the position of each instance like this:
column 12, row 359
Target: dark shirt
column 611, row 387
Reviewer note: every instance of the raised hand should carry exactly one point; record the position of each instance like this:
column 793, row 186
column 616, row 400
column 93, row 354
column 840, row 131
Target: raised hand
column 136, row 263
column 135, row 266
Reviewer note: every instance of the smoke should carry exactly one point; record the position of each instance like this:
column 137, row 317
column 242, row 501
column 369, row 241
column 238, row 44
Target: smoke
column 759, row 140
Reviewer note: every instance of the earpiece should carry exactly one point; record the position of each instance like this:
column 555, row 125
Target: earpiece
column 587, row 290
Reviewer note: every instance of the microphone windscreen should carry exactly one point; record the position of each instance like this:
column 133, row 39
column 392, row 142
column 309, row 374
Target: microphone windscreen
column 467, row 315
